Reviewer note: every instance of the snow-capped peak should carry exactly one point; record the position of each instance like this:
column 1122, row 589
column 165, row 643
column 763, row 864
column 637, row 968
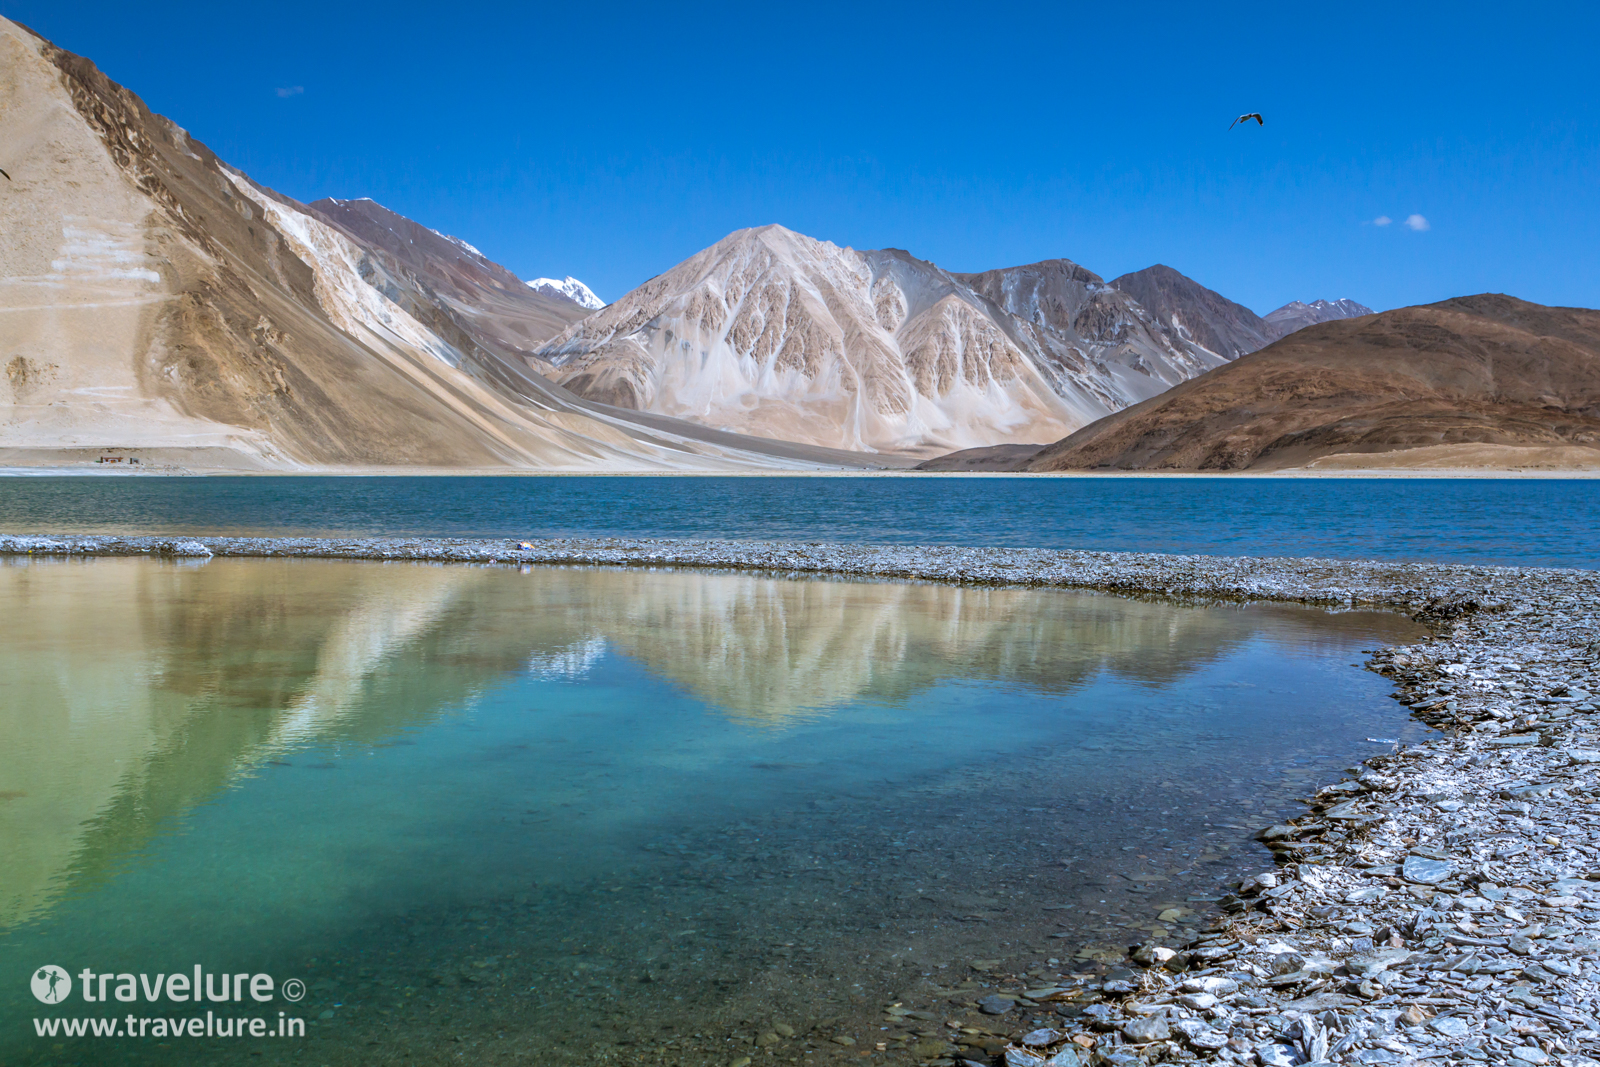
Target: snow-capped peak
column 569, row 288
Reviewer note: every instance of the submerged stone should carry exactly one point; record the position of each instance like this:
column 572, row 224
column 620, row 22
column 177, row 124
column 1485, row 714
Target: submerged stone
column 996, row 1005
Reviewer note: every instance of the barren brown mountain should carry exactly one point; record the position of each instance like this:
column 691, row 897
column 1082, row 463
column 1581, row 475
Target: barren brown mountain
column 1486, row 376
column 1182, row 304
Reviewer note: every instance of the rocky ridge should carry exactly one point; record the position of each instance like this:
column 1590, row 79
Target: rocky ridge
column 165, row 303
column 1184, row 305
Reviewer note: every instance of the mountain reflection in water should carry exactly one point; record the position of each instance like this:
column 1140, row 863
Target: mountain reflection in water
column 136, row 690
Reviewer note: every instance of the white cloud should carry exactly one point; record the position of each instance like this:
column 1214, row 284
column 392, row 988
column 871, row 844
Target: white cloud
column 1417, row 222
column 1382, row 220
column 293, row 90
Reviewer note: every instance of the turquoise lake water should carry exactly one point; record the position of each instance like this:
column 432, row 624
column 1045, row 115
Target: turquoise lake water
column 613, row 816
column 1527, row 522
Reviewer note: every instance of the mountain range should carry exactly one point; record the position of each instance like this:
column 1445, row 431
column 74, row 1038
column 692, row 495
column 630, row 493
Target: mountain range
column 162, row 305
column 772, row 333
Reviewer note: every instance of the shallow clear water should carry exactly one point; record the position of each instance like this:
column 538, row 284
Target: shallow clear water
column 1528, row 522
column 577, row 814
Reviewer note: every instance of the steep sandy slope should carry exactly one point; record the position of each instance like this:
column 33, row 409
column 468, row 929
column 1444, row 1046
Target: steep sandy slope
column 772, row 333
column 1485, row 370
column 155, row 301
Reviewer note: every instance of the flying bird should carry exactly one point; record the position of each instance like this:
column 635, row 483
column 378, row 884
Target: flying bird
column 8, row 177
column 1246, row 118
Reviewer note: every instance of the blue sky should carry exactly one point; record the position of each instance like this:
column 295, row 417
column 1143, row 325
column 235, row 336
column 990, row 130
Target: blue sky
column 610, row 141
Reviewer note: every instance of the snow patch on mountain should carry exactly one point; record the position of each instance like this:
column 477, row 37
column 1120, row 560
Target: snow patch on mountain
column 569, row 288
column 459, row 243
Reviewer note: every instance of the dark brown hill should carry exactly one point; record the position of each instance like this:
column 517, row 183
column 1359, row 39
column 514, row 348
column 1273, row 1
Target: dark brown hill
column 1477, row 370
column 1211, row 319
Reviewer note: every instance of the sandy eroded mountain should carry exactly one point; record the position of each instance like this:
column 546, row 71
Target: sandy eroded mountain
column 158, row 303
column 772, row 333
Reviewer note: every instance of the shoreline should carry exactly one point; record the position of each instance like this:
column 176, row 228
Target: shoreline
column 1291, row 473
column 1404, row 586
column 1440, row 905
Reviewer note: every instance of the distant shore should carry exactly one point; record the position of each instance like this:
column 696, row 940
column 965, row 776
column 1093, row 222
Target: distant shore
column 1426, row 461
column 154, row 471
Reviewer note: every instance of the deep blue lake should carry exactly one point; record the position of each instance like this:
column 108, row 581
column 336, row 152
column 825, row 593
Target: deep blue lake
column 1529, row 522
